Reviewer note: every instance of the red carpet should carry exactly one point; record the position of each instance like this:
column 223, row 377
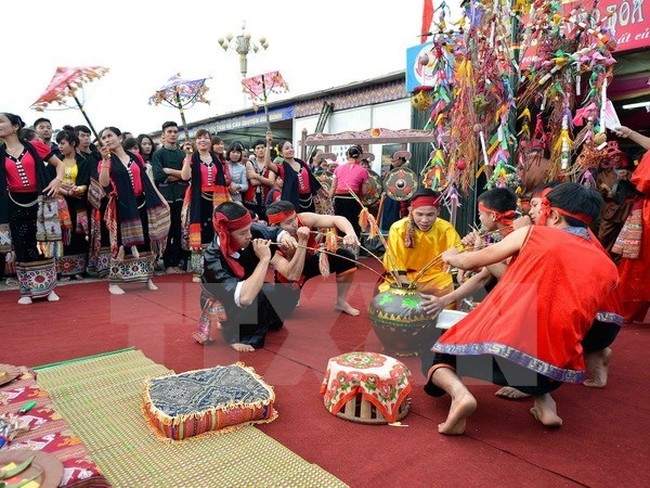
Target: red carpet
column 603, row 442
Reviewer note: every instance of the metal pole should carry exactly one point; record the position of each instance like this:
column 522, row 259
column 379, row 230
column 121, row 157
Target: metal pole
column 180, row 109
column 83, row 112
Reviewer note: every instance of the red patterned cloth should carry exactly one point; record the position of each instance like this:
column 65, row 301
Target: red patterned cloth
column 634, row 268
column 382, row 380
column 542, row 307
column 49, row 432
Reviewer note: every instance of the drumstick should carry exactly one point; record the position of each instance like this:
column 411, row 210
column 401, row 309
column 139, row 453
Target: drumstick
column 439, row 256
column 382, row 239
column 317, row 249
column 359, row 245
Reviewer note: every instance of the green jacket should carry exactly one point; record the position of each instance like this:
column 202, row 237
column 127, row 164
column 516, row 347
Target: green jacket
column 173, row 191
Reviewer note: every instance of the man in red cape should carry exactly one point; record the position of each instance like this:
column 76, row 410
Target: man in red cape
column 527, row 332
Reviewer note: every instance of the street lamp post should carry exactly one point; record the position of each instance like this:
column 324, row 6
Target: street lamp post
column 242, row 45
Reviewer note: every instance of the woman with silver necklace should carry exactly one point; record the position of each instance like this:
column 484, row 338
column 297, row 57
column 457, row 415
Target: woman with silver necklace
column 137, row 216
column 25, row 219
column 209, row 186
column 299, row 184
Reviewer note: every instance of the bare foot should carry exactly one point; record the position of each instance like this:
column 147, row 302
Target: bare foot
column 25, row 301
column 53, row 297
column 346, row 308
column 151, row 286
column 242, row 347
column 461, row 407
column 598, row 367
column 172, row 270
column 545, row 411
column 511, row 393
column 115, row 290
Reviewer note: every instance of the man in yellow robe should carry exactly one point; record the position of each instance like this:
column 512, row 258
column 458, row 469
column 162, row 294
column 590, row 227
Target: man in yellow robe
column 414, row 241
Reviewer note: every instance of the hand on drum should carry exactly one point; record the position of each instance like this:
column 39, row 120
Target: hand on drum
column 432, row 304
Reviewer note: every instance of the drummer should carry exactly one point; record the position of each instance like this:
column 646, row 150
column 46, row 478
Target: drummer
column 347, row 187
column 416, row 240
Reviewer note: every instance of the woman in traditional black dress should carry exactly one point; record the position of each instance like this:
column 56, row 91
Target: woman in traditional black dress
column 137, row 217
column 76, row 178
column 29, row 222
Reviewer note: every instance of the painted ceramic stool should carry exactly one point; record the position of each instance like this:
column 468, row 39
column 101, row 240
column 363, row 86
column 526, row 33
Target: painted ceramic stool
column 367, row 387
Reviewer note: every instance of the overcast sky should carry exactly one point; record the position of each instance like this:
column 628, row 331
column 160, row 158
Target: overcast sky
column 314, row 44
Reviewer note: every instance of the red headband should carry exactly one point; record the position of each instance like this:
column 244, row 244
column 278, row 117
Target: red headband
column 542, row 193
column 277, row 218
column 223, row 226
column 546, row 211
column 505, row 217
column 426, row 201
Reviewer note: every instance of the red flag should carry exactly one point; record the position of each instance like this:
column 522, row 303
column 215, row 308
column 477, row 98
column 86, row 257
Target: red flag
column 427, row 17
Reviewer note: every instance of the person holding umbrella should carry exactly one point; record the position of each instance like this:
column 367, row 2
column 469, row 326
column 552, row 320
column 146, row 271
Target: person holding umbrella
column 137, row 216
column 27, row 222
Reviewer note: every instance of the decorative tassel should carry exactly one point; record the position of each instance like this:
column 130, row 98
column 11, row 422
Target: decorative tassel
column 409, row 237
column 323, row 265
column 120, row 254
column 374, row 228
column 331, row 241
column 364, row 219
column 134, row 252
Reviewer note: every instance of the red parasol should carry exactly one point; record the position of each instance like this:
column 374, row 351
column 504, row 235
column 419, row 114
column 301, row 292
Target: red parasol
column 258, row 88
column 182, row 94
column 65, row 83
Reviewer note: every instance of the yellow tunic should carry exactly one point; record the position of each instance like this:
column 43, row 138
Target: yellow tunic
column 70, row 174
column 428, row 245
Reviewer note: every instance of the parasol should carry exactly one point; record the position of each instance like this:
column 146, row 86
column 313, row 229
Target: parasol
column 65, row 83
column 259, row 87
column 181, row 94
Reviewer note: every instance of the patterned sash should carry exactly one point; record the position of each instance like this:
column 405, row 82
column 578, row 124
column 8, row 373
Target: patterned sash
column 628, row 242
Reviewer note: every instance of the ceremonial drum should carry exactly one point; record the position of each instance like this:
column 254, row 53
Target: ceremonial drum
column 372, row 189
column 401, row 184
column 403, row 328
column 193, row 403
column 367, row 387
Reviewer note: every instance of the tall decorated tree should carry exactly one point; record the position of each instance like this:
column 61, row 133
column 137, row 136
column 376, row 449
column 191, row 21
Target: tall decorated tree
column 516, row 92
